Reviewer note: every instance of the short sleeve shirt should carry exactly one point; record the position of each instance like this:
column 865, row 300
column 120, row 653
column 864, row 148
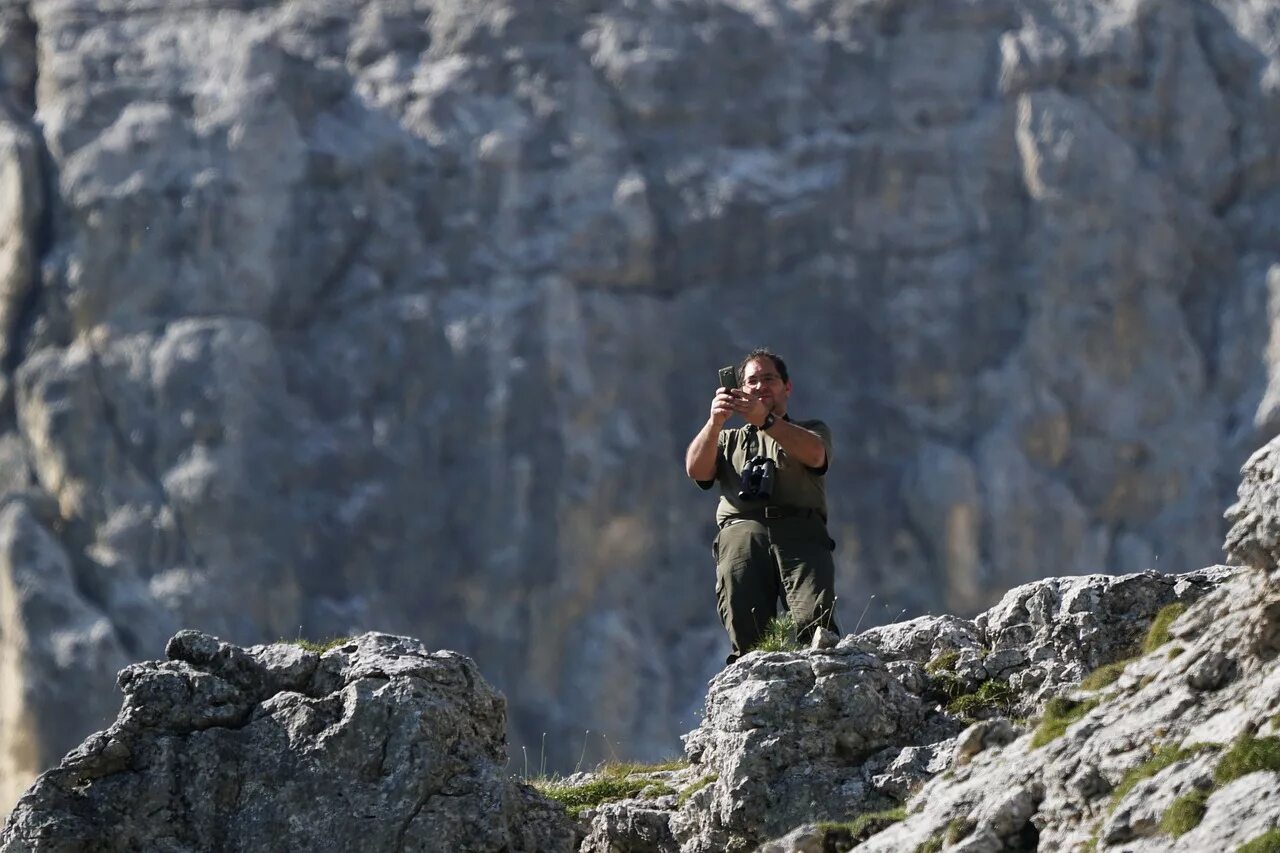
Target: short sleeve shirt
column 795, row 484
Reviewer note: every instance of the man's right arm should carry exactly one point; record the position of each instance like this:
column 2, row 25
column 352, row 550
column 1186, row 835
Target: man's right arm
column 700, row 458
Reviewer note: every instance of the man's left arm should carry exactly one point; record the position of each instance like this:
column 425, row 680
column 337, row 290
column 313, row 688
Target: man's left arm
column 804, row 445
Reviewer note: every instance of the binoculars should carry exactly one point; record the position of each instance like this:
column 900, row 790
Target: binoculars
column 757, row 479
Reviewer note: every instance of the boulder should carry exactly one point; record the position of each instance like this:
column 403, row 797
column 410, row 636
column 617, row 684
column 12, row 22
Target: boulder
column 377, row 744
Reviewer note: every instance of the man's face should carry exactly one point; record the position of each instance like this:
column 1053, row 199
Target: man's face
column 760, row 379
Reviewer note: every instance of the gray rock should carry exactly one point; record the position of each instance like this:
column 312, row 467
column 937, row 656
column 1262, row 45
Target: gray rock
column 64, row 637
column 1042, row 637
column 377, row 745
column 983, row 735
column 792, row 739
column 1064, row 793
column 1254, row 537
column 629, row 827
column 781, row 733
column 355, row 305
column 823, row 639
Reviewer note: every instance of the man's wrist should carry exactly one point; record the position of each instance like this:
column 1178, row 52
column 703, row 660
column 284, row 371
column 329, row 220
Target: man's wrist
column 769, row 420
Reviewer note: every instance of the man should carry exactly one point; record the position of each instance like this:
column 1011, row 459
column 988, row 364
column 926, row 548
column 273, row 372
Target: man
column 774, row 547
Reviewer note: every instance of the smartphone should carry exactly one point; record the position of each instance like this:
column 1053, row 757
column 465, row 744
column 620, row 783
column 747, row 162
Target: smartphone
column 729, row 377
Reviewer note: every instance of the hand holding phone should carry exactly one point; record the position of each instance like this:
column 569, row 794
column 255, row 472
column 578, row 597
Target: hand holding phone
column 722, row 407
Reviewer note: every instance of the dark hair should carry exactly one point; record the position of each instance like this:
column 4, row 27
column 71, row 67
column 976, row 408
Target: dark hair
column 764, row 352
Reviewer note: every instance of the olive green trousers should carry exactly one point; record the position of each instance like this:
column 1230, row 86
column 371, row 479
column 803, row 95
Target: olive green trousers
column 759, row 563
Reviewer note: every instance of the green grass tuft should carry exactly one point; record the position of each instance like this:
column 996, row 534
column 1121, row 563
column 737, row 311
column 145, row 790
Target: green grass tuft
column 1059, row 713
column 991, row 695
column 933, row 845
column 778, row 636
column 1248, row 755
column 866, row 825
column 1185, row 813
column 1267, row 842
column 578, row 798
column 947, row 684
column 1104, row 675
column 946, row 660
column 1163, row 757
column 1158, row 633
column 1174, row 652
column 322, row 646
column 618, row 769
column 959, row 829
column 656, row 789
column 696, row 787
column 614, row 781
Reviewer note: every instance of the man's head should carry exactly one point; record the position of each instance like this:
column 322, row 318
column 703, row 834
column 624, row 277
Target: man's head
column 763, row 374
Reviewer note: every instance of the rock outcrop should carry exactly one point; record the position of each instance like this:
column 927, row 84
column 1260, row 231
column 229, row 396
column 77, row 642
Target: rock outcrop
column 1156, row 735
column 377, row 745
column 791, row 739
column 1171, row 744
column 400, row 312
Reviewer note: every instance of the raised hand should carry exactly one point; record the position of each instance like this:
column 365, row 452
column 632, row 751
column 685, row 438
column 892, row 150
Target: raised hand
column 723, row 406
column 752, row 409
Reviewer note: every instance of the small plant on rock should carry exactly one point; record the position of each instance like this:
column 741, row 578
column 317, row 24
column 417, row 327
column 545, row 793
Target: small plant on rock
column 578, row 798
column 990, row 697
column 1104, row 675
column 1185, row 813
column 632, row 768
column 614, row 781
column 1158, row 633
column 778, row 636
column 696, row 787
column 944, row 661
column 846, row 834
column 933, row 845
column 1267, row 842
column 1059, row 713
column 959, row 829
column 321, row 646
column 1248, row 755
column 1163, row 757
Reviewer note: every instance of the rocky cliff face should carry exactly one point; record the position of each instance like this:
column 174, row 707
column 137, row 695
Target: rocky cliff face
column 320, row 317
column 1135, row 713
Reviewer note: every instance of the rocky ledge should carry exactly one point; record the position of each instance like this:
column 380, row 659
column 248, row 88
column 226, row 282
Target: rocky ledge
column 378, row 744
column 1137, row 712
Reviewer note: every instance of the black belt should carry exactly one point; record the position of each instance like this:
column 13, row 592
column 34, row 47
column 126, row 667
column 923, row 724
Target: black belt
column 770, row 513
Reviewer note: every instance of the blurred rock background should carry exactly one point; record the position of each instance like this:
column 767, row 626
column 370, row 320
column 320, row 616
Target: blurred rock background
column 320, row 317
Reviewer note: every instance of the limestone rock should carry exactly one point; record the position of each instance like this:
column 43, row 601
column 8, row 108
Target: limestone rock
column 399, row 313
column 1042, row 637
column 55, row 643
column 793, row 741
column 1254, row 537
column 1152, row 726
column 378, row 744
column 780, row 733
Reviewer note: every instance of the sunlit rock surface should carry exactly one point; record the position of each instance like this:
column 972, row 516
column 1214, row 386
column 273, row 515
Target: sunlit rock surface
column 377, row 745
column 332, row 316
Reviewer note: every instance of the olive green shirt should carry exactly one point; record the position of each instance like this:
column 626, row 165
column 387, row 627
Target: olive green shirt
column 795, row 484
